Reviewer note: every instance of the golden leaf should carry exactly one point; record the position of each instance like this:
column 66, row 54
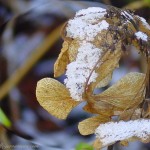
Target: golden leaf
column 54, row 97
column 124, row 143
column 129, row 114
column 73, row 50
column 89, row 125
column 98, row 107
column 89, row 108
column 109, row 62
column 105, row 81
column 62, row 61
column 126, row 93
column 97, row 144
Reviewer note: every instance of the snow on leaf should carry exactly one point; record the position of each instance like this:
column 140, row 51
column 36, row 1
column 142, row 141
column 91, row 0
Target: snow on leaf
column 54, row 97
column 79, row 70
column 87, row 24
column 110, row 61
column 112, row 132
column 141, row 35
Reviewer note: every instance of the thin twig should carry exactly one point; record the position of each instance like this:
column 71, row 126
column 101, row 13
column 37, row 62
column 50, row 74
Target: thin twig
column 16, row 77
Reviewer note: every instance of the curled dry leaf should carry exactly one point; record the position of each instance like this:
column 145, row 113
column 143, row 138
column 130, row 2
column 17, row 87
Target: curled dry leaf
column 62, row 60
column 89, row 125
column 54, row 97
column 105, row 81
column 67, row 55
column 126, row 93
column 109, row 61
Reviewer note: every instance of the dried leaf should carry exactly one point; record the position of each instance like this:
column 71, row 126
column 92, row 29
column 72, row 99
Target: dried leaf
column 109, row 62
column 97, row 144
column 62, row 60
column 126, row 93
column 89, row 125
column 54, row 97
column 101, row 108
column 124, row 143
column 73, row 50
column 129, row 114
column 105, row 81
column 89, row 108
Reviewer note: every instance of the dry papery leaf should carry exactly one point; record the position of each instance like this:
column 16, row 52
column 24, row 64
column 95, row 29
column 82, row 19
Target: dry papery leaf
column 105, row 81
column 68, row 54
column 54, row 97
column 130, row 114
column 100, row 108
column 97, row 144
column 89, row 125
column 127, row 93
column 62, row 60
column 110, row 61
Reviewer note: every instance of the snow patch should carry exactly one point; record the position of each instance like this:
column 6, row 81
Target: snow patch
column 86, row 24
column 141, row 35
column 79, row 70
column 111, row 132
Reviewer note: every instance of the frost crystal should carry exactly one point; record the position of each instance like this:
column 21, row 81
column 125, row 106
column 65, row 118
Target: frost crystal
column 79, row 70
column 141, row 35
column 86, row 24
column 111, row 132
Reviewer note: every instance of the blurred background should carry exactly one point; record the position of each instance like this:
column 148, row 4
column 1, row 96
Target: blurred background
column 30, row 42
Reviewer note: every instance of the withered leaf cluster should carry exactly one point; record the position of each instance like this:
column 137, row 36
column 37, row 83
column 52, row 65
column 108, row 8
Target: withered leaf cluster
column 126, row 99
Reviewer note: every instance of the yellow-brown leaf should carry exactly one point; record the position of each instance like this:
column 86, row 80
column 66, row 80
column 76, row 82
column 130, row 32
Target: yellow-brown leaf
column 54, row 97
column 98, row 107
column 62, row 61
column 126, row 93
column 97, row 144
column 73, row 50
column 109, row 62
column 105, row 81
column 89, row 125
